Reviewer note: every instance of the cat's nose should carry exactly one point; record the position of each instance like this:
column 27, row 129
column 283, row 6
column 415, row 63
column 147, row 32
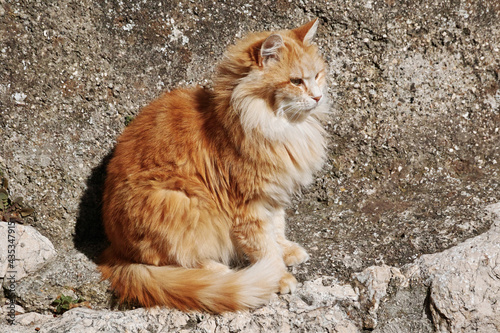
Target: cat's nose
column 317, row 98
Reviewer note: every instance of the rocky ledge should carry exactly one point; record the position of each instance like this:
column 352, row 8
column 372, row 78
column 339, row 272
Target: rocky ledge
column 457, row 290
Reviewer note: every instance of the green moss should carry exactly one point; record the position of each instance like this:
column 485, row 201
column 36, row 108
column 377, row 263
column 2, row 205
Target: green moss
column 12, row 210
column 128, row 120
column 64, row 303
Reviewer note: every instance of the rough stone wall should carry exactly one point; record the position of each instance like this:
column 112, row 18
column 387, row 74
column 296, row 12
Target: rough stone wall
column 414, row 153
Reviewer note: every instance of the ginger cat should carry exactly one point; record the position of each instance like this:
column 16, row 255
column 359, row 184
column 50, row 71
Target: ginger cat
column 200, row 180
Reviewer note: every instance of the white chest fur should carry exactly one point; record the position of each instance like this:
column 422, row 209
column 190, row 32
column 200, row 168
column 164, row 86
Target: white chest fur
column 296, row 150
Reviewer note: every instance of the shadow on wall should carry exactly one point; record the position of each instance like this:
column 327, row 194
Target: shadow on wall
column 89, row 237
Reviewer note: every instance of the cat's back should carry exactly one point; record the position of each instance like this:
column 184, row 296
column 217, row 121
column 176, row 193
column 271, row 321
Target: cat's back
column 166, row 131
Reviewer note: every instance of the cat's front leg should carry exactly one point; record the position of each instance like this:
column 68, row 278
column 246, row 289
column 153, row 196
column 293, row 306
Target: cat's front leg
column 293, row 253
column 257, row 239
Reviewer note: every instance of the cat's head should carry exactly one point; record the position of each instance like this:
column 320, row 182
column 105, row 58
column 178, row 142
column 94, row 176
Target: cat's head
column 282, row 69
column 291, row 64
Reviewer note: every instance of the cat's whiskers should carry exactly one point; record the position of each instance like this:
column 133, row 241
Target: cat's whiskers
column 293, row 109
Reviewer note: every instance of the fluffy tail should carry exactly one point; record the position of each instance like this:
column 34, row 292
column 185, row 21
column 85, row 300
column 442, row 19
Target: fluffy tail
column 194, row 289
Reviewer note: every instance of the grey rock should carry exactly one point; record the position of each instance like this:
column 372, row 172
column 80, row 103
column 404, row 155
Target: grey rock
column 376, row 280
column 465, row 283
column 457, row 290
column 70, row 274
column 405, row 326
column 404, row 310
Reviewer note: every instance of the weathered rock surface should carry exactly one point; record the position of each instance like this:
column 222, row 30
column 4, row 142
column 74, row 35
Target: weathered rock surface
column 464, row 283
column 457, row 290
column 314, row 308
column 31, row 250
column 376, row 280
column 413, row 158
column 70, row 274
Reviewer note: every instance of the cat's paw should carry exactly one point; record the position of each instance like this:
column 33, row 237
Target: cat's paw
column 294, row 254
column 288, row 284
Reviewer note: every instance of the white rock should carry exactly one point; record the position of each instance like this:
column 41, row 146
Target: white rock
column 4, row 310
column 239, row 323
column 31, row 250
column 32, row 319
column 178, row 319
column 335, row 292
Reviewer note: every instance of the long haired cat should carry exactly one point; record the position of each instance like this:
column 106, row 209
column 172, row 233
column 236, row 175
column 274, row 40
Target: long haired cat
column 201, row 177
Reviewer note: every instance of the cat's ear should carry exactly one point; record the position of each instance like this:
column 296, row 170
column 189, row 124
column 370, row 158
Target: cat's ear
column 306, row 32
column 270, row 49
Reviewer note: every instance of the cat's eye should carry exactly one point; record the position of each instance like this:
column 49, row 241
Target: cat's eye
column 317, row 76
column 296, row 82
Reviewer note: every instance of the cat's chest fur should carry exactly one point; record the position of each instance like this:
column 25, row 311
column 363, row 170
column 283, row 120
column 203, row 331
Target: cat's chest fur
column 285, row 154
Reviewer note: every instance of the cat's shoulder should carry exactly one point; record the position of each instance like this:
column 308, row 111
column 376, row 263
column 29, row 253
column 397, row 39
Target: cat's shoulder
column 178, row 103
column 188, row 96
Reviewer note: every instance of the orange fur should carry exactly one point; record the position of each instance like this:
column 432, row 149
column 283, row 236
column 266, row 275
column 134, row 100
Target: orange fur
column 200, row 178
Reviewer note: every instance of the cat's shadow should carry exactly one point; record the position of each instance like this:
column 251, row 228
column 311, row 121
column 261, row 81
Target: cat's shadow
column 89, row 236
